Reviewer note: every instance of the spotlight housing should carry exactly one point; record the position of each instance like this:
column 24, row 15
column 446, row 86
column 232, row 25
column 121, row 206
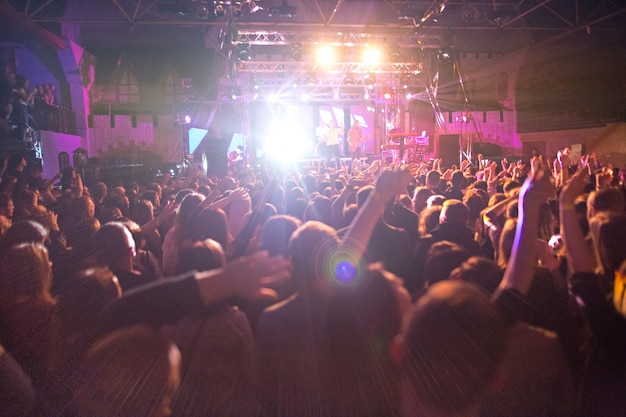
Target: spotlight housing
column 283, row 10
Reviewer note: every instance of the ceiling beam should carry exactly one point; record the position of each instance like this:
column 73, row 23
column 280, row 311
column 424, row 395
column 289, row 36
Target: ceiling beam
column 23, row 25
column 121, row 9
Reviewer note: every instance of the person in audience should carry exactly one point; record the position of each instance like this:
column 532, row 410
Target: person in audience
column 113, row 246
column 27, row 317
column 138, row 361
column 179, row 235
column 338, row 336
column 363, row 321
column 292, row 335
column 217, row 347
column 604, row 384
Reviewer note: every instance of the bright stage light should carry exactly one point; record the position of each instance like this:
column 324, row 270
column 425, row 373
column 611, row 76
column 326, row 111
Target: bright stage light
column 325, row 55
column 284, row 142
column 371, row 56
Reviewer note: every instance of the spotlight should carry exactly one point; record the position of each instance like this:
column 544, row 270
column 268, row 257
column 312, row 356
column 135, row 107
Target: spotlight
column 296, row 52
column 405, row 80
column 349, row 79
column 253, row 6
column 283, row 10
column 202, row 12
column 235, row 9
column 234, row 93
column 394, row 55
column 370, row 80
column 220, row 11
column 244, row 52
column 310, row 79
column 255, row 82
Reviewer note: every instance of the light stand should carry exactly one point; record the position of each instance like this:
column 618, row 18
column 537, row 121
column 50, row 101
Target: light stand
column 184, row 164
column 467, row 152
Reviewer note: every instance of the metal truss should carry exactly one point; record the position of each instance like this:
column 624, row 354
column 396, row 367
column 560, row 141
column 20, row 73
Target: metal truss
column 336, row 68
column 283, row 37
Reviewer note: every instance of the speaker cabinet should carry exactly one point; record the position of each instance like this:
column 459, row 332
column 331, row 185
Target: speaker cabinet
column 449, row 150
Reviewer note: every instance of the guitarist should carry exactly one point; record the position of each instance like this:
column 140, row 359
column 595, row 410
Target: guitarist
column 355, row 139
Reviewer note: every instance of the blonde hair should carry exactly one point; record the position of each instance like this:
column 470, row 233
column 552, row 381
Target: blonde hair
column 25, row 272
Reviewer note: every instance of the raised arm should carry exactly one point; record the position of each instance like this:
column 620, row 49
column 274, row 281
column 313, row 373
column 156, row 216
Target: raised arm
column 534, row 192
column 388, row 184
column 579, row 256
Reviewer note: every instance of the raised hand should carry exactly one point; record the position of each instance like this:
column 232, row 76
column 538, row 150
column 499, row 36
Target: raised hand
column 249, row 276
column 575, row 186
column 537, row 188
column 392, row 182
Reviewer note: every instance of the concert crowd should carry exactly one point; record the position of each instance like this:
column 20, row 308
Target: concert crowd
column 409, row 290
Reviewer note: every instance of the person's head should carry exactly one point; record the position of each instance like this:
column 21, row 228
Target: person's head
column 476, row 203
column 607, row 232
column 184, row 217
column 79, row 234
column 117, row 200
column 16, row 162
column 363, row 194
column 429, row 219
column 152, row 197
column 420, row 198
column 83, row 208
column 309, row 247
column 458, row 179
column 452, row 343
column 480, row 271
column 212, row 224
column 26, row 273
column 435, row 200
column 88, row 292
column 113, row 246
column 605, row 199
column 98, row 191
column 320, row 209
column 142, row 212
column 276, row 232
column 433, row 178
column 134, row 371
column 25, row 231
column 511, row 187
column 6, row 206
column 441, row 259
column 454, row 212
column 156, row 187
column 21, row 81
column 296, row 208
column 203, row 255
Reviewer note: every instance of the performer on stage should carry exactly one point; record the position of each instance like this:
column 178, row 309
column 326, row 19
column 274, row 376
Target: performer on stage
column 561, row 167
column 333, row 134
column 355, row 139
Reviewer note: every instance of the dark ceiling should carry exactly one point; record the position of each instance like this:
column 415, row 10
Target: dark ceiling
column 470, row 25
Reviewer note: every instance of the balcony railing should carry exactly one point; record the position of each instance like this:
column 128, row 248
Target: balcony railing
column 54, row 118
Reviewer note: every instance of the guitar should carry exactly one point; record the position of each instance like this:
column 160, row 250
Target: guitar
column 354, row 145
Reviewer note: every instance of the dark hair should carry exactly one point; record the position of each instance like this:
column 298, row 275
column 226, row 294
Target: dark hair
column 454, row 340
column 441, row 259
column 276, row 232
